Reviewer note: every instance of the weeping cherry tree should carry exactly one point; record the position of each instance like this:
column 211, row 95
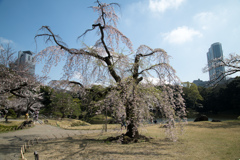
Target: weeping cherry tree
column 126, row 73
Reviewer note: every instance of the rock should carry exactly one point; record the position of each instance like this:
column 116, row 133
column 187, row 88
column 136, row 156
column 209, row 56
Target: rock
column 46, row 121
column 216, row 120
column 155, row 121
column 25, row 124
column 201, row 118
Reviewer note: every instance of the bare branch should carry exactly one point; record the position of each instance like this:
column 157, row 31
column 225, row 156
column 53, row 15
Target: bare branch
column 231, row 64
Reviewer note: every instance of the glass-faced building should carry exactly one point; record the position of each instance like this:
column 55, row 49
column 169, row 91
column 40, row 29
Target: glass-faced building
column 26, row 61
column 215, row 52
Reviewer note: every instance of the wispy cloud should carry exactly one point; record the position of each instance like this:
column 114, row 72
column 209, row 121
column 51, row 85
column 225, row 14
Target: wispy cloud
column 5, row 41
column 181, row 35
column 205, row 19
column 163, row 5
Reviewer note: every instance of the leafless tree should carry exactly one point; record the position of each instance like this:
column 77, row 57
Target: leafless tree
column 132, row 95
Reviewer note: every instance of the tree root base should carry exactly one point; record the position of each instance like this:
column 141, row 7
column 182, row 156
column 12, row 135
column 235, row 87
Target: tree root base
column 124, row 139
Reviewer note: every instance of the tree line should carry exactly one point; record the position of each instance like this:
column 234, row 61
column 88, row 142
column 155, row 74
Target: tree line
column 220, row 98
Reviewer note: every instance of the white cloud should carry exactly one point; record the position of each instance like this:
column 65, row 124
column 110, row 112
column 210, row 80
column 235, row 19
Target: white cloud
column 181, row 35
column 163, row 5
column 5, row 41
column 204, row 17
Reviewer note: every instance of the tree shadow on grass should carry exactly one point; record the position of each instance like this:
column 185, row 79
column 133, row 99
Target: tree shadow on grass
column 88, row 148
column 141, row 151
column 13, row 144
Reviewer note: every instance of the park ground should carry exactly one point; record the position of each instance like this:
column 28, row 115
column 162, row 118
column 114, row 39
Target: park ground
column 201, row 140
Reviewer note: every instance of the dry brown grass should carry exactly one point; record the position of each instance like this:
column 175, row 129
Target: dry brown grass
column 9, row 126
column 202, row 140
column 11, row 123
column 67, row 124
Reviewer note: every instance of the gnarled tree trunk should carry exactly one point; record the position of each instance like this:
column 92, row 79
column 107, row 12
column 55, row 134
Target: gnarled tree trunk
column 132, row 130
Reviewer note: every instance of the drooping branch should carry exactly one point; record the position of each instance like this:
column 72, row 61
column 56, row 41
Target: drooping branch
column 74, row 82
column 71, row 51
column 106, row 59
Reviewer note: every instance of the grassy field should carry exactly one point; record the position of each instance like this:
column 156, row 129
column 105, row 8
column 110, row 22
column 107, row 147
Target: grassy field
column 201, row 140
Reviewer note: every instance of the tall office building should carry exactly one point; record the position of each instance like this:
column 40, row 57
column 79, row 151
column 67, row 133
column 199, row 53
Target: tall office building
column 215, row 52
column 26, row 61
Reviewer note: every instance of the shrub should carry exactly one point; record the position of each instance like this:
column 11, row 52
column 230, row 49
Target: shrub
column 99, row 119
column 12, row 113
column 238, row 118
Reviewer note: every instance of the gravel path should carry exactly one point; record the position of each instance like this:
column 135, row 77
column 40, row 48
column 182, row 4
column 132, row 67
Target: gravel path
column 11, row 142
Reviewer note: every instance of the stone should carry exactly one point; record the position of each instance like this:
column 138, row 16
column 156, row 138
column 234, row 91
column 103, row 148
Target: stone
column 25, row 124
column 201, row 118
column 46, row 121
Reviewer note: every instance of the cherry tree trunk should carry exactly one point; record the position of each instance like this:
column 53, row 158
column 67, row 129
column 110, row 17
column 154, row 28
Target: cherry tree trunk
column 132, row 130
column 6, row 118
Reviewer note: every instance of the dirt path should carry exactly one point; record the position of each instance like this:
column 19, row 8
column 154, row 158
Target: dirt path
column 11, row 142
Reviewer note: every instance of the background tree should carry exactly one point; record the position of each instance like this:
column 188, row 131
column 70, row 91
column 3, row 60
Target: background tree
column 221, row 98
column 123, row 71
column 192, row 96
column 63, row 105
column 46, row 93
column 18, row 89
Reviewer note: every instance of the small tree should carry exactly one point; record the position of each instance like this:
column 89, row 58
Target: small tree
column 63, row 104
column 123, row 72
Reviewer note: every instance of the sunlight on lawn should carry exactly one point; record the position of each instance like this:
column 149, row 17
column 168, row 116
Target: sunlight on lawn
column 201, row 140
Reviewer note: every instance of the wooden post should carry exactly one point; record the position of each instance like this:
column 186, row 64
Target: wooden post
column 23, row 149
column 106, row 121
column 36, row 155
column 22, row 154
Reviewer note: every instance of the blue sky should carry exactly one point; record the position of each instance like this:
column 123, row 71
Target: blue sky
column 183, row 28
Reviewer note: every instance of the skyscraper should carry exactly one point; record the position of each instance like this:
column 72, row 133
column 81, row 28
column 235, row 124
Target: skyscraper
column 26, row 60
column 215, row 52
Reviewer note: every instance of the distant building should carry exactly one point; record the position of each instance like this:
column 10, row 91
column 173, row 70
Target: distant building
column 26, row 61
column 215, row 52
column 201, row 83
